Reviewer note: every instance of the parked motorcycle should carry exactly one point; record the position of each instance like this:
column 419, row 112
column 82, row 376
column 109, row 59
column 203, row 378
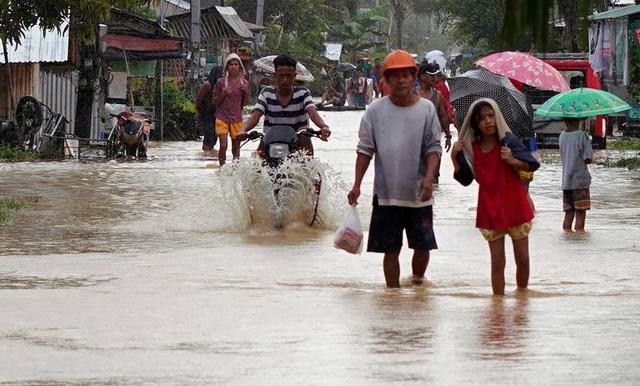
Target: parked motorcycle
column 281, row 144
column 130, row 134
column 39, row 128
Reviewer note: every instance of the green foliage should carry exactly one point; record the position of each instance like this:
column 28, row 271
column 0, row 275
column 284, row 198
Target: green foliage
column 517, row 24
column 176, row 98
column 179, row 112
column 624, row 144
column 527, row 16
column 634, row 71
column 10, row 153
column 631, row 163
column 143, row 91
column 365, row 31
column 19, row 15
column 9, row 205
column 299, row 28
column 297, row 15
column 473, row 23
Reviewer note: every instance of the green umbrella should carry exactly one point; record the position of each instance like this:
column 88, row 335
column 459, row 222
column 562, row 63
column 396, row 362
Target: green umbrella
column 582, row 103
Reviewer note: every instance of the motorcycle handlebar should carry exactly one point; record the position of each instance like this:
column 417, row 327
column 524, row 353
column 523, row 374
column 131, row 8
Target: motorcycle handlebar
column 253, row 135
column 310, row 132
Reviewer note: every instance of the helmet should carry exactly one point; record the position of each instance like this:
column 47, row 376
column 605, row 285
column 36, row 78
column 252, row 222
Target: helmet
column 398, row 59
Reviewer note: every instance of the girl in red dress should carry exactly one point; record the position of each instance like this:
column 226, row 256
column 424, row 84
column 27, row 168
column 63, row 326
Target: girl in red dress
column 494, row 156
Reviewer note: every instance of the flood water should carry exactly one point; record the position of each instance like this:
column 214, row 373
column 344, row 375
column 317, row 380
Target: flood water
column 147, row 273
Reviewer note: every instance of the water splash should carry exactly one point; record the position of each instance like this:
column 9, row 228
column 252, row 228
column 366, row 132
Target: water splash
column 263, row 197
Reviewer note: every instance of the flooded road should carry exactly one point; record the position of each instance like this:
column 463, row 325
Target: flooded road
column 144, row 273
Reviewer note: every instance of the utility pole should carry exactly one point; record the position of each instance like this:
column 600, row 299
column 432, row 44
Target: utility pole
column 259, row 21
column 195, row 44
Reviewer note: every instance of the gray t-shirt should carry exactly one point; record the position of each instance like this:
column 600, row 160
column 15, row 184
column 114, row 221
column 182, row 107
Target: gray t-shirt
column 575, row 149
column 400, row 138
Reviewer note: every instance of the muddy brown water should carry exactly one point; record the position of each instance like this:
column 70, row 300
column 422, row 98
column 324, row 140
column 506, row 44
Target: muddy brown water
column 140, row 273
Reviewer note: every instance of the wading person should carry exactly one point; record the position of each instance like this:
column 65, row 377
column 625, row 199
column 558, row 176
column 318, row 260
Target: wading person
column 286, row 105
column 494, row 156
column 230, row 94
column 575, row 153
column 427, row 78
column 206, row 109
column 443, row 87
column 357, row 88
column 402, row 132
column 335, row 95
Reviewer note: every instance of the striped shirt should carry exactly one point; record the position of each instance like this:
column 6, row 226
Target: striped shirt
column 294, row 114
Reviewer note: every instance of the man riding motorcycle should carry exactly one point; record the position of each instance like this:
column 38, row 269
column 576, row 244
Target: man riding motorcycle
column 285, row 105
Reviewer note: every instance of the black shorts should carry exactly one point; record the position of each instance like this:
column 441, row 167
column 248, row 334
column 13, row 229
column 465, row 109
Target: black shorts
column 388, row 222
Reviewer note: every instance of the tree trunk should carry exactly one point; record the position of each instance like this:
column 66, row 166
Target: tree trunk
column 569, row 11
column 86, row 90
column 11, row 103
column 399, row 15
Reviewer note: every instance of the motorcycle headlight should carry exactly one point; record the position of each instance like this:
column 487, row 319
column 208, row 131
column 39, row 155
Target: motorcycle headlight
column 278, row 150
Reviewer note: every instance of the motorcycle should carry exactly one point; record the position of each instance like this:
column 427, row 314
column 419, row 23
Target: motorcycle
column 130, row 134
column 281, row 144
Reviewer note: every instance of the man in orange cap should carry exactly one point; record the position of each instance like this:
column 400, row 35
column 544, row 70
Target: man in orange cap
column 402, row 131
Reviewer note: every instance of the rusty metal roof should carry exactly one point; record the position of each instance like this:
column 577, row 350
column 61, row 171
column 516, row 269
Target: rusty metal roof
column 37, row 47
column 231, row 16
column 215, row 22
column 615, row 13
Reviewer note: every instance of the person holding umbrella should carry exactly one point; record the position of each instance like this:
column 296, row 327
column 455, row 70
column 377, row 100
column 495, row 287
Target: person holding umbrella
column 575, row 155
column 493, row 155
column 575, row 147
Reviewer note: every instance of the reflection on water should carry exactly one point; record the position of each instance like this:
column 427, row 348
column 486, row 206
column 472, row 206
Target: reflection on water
column 414, row 335
column 504, row 328
column 575, row 236
column 149, row 273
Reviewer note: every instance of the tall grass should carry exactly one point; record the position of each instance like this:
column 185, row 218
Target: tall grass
column 10, row 153
column 10, row 205
column 624, row 144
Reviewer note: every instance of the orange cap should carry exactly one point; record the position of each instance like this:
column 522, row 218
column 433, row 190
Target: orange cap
column 398, row 59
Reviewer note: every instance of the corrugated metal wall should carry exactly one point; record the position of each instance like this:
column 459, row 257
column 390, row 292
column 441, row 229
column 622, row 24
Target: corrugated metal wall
column 21, row 79
column 58, row 91
column 56, row 87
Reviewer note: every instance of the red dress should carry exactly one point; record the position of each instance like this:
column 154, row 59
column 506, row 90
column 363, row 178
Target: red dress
column 502, row 199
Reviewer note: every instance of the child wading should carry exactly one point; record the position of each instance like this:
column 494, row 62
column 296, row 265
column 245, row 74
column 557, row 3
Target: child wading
column 490, row 153
column 575, row 153
column 230, row 94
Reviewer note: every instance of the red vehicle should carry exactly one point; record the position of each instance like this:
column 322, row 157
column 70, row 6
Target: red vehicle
column 578, row 73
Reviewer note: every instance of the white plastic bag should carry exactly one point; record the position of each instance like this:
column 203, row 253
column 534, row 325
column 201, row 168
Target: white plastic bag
column 349, row 235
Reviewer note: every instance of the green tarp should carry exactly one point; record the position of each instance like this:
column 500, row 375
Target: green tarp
column 136, row 68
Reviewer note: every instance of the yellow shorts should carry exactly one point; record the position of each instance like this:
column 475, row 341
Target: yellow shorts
column 525, row 176
column 516, row 233
column 232, row 128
